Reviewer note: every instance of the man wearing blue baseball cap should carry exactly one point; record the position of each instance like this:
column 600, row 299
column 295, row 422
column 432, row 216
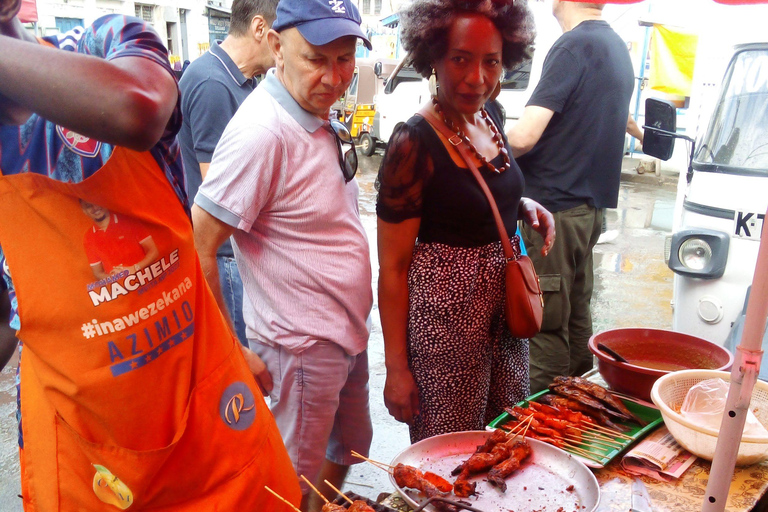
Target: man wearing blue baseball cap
column 282, row 184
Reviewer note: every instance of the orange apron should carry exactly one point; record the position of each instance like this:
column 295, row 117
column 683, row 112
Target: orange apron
column 134, row 392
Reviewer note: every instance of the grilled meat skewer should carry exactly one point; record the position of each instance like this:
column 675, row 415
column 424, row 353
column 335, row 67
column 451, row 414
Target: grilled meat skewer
column 498, row 436
column 600, row 393
column 574, row 406
column 478, row 463
column 332, row 507
column 360, row 506
column 544, row 419
column 408, row 476
column 498, row 474
column 586, row 399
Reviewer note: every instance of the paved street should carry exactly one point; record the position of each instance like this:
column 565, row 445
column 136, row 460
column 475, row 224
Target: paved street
column 633, row 288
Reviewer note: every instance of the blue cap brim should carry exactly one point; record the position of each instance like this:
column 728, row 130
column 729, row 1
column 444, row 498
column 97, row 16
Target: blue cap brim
column 323, row 31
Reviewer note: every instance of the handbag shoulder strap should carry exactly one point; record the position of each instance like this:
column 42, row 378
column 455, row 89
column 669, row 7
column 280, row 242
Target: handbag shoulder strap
column 457, row 142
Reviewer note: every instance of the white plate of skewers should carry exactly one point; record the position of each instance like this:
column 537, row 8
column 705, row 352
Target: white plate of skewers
column 548, row 479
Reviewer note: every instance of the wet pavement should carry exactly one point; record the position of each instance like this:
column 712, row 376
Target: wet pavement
column 633, row 288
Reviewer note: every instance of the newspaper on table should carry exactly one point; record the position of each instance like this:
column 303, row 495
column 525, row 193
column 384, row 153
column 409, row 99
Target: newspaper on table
column 658, row 456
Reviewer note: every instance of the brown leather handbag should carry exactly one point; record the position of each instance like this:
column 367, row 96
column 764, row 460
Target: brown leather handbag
column 524, row 305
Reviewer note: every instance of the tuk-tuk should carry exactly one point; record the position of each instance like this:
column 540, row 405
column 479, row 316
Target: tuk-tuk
column 357, row 107
column 722, row 199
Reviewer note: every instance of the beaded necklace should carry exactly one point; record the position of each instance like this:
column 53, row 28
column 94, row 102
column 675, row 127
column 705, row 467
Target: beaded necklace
column 496, row 138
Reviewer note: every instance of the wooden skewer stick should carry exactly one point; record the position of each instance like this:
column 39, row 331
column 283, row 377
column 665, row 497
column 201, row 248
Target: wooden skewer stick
column 578, row 451
column 610, row 431
column 581, row 441
column 515, row 429
column 329, row 484
column 520, row 426
column 597, row 444
column 314, row 488
column 599, row 438
column 530, row 420
column 380, row 465
column 588, row 455
column 571, row 438
column 599, row 435
column 602, row 440
column 584, row 453
column 294, row 507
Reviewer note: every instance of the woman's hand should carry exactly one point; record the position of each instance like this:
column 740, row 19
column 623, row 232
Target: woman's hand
column 401, row 396
column 540, row 220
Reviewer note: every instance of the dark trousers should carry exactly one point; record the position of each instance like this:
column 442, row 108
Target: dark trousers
column 567, row 278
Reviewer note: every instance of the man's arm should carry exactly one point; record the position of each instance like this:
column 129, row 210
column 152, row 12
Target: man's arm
column 98, row 271
column 210, row 233
column 10, row 26
column 527, row 131
column 204, row 168
column 633, row 129
column 126, row 101
column 151, row 252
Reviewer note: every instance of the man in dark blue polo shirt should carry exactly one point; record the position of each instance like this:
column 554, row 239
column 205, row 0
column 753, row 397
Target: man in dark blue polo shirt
column 212, row 89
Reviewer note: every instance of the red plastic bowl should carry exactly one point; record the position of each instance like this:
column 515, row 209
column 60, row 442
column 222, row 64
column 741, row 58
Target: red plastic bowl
column 652, row 353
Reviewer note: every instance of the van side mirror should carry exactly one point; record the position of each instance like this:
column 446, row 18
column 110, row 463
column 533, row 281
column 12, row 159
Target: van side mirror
column 660, row 127
column 377, row 66
column 389, row 86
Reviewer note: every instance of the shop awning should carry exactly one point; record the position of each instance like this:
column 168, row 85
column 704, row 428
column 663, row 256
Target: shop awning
column 391, row 21
column 28, row 12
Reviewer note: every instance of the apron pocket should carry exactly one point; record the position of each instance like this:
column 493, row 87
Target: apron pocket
column 230, row 419
column 91, row 474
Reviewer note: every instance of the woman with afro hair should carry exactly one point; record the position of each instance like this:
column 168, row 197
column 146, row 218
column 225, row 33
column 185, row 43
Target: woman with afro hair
column 451, row 361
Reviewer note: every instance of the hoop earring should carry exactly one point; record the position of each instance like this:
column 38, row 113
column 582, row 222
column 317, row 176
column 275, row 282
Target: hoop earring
column 496, row 91
column 433, row 85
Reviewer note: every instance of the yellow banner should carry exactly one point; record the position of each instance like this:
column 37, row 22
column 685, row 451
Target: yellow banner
column 673, row 54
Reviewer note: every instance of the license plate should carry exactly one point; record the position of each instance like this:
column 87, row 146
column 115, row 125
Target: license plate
column 748, row 225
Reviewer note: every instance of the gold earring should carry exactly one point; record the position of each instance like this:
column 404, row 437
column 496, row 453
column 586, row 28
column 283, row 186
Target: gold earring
column 433, row 85
column 496, row 90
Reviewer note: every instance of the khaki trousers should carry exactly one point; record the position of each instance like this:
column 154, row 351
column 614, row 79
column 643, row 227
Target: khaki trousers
column 567, row 279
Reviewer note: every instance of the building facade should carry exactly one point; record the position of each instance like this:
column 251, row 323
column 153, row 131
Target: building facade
column 186, row 26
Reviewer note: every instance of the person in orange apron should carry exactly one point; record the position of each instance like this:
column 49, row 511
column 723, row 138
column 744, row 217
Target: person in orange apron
column 134, row 392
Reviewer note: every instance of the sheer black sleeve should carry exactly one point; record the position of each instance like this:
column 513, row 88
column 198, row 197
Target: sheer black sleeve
column 405, row 169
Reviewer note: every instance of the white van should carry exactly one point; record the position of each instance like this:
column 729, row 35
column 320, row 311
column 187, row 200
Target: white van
column 405, row 91
column 722, row 199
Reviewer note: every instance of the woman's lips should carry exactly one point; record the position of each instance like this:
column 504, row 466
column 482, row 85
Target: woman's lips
column 471, row 98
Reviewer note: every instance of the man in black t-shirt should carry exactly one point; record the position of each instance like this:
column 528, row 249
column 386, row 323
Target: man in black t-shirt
column 569, row 144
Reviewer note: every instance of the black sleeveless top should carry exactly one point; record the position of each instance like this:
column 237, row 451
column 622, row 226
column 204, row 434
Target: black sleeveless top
column 419, row 179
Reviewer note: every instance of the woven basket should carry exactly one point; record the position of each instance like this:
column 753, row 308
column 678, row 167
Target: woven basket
column 668, row 394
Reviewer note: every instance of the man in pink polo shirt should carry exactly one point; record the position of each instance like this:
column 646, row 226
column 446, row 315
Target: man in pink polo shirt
column 280, row 182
